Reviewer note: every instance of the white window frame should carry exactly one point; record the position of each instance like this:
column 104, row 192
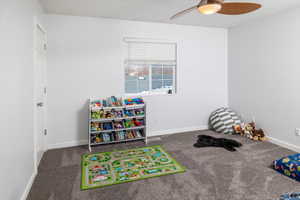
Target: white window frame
column 151, row 91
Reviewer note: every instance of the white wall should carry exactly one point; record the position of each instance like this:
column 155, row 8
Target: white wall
column 264, row 73
column 16, row 102
column 85, row 59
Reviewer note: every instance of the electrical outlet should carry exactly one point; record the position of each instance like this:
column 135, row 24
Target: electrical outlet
column 297, row 131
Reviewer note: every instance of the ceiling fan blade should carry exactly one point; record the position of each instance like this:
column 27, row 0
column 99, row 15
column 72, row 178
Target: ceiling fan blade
column 183, row 12
column 238, row 8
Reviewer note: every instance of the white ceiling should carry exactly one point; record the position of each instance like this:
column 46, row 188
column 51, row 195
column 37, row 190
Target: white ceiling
column 161, row 10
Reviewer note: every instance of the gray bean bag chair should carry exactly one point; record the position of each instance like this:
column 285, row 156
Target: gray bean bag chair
column 223, row 119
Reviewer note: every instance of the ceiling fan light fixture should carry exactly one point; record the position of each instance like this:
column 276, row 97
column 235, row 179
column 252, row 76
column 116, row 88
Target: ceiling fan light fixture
column 208, row 7
column 211, row 8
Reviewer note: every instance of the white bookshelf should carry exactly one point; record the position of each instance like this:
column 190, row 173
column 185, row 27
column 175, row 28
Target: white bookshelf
column 110, row 136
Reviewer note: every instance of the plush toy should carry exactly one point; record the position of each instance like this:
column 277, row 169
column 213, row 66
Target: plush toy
column 238, row 129
column 249, row 130
column 259, row 135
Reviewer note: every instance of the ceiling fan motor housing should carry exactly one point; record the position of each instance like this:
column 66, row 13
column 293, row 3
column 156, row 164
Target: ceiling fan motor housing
column 205, row 2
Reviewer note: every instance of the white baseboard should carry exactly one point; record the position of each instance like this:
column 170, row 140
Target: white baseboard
column 284, row 144
column 67, row 144
column 28, row 186
column 179, row 130
column 150, row 134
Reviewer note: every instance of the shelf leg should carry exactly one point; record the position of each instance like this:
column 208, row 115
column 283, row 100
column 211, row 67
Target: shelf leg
column 90, row 149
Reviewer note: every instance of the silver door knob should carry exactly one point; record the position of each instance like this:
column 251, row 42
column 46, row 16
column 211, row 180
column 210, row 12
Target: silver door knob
column 40, row 104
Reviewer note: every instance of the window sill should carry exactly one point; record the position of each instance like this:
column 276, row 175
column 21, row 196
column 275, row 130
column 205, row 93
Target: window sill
column 146, row 94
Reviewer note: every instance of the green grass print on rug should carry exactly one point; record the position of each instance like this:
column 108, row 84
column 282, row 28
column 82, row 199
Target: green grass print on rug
column 109, row 168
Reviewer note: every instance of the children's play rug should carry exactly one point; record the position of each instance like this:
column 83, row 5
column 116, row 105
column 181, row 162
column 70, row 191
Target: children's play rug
column 109, row 168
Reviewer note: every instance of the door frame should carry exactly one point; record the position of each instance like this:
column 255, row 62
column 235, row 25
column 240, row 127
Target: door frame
column 38, row 26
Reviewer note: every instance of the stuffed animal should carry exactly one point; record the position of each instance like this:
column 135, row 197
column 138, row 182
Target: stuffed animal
column 249, row 130
column 238, row 129
column 259, row 135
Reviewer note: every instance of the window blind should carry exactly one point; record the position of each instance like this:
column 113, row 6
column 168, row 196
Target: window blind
column 146, row 51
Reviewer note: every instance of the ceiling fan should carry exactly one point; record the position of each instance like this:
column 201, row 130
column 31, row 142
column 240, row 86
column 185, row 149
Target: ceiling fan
column 208, row 7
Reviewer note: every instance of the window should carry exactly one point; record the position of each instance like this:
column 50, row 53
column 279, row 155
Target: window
column 150, row 68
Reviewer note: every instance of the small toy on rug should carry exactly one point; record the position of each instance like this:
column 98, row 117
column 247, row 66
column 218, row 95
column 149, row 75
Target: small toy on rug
column 249, row 130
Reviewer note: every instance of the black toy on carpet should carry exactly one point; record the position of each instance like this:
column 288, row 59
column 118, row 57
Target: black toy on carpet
column 209, row 141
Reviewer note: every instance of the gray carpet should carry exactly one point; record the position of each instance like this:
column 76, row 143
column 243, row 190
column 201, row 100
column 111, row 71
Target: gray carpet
column 212, row 173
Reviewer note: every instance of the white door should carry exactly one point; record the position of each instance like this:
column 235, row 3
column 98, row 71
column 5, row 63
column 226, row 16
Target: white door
column 40, row 93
